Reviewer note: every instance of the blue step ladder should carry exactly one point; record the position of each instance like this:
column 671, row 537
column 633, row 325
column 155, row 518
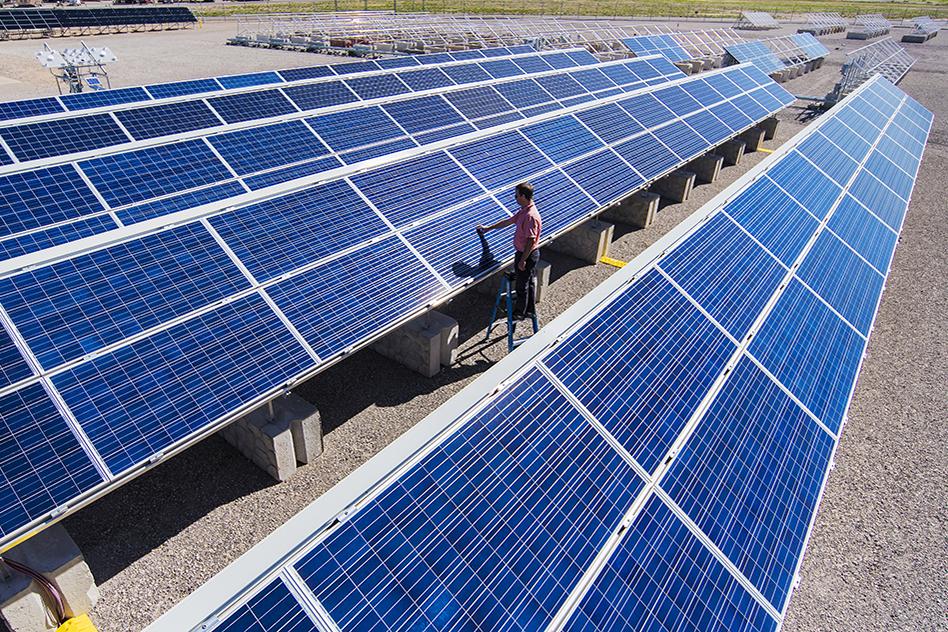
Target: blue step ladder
column 506, row 291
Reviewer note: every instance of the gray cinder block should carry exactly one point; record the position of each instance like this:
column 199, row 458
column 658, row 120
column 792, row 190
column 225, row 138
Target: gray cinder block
column 753, row 139
column 732, row 151
column 636, row 210
column 588, row 242
column 423, row 344
column 707, row 168
column 676, row 186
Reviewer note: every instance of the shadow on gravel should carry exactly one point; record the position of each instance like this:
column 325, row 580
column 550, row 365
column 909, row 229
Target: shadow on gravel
column 127, row 524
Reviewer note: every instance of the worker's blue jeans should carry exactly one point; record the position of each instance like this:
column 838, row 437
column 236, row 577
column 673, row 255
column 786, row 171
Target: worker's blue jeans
column 526, row 284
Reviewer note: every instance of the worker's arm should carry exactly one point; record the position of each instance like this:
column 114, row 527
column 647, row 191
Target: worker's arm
column 528, row 248
column 501, row 224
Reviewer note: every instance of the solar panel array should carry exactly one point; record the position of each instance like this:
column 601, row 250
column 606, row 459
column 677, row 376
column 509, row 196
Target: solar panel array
column 923, row 29
column 62, row 22
column 157, row 178
column 656, row 459
column 812, row 47
column 757, row 53
column 42, row 107
column 664, row 45
column 884, row 57
column 777, row 53
column 756, row 21
column 140, row 343
column 824, row 23
column 868, row 26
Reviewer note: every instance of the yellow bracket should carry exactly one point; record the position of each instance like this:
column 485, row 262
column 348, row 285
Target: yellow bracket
column 766, row 151
column 81, row 623
column 613, row 262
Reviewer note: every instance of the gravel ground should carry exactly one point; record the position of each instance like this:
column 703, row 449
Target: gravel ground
column 877, row 558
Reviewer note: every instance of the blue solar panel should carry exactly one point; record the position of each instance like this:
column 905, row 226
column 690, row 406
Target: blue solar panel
column 467, row 54
column 42, row 465
column 500, row 119
column 273, row 608
column 13, row 367
column 731, row 116
column 812, row 189
column 235, row 108
column 900, row 156
column 259, row 148
column 74, row 307
column 604, row 176
column 470, row 73
column 354, row 66
column 774, row 219
column 501, row 68
column 726, row 272
column 140, row 175
column 843, row 279
column 276, row 236
column 164, row 120
column 65, row 136
column 454, row 130
column 320, row 95
column 711, row 128
column 478, row 102
column 291, row 173
column 750, row 107
column 445, row 242
column 683, row 140
column 663, row 578
column 424, row 113
column 647, row 110
column 559, row 61
column 524, row 93
column 426, row 79
column 464, row 552
column 758, row 54
column 883, row 202
column 355, row 128
column 593, row 79
column 332, row 312
column 864, row 232
column 500, row 160
column 678, row 101
column 834, row 163
column 723, row 85
column 251, row 79
column 33, row 242
column 562, row 139
column 377, row 86
column 44, row 196
column 531, row 65
column 561, row 86
column 88, row 100
column 560, row 201
column 311, row 72
column 609, row 122
column 435, row 58
column 756, row 434
column 617, row 366
column 397, row 62
column 649, row 157
column 29, row 107
column 180, row 379
column 404, row 191
column 382, row 149
column 182, row 88
column 890, row 174
column 811, row 351
column 164, row 206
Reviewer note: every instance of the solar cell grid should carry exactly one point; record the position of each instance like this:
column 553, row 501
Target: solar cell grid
column 604, row 175
column 13, row 366
column 30, row 107
column 355, row 128
column 680, row 136
column 89, row 100
column 286, row 174
column 562, row 139
column 312, row 72
column 251, row 79
column 499, row 160
column 320, row 95
column 52, row 138
column 182, row 88
column 236, row 108
column 864, row 232
column 164, row 120
column 273, row 608
column 377, row 86
column 524, row 93
column 561, row 86
column 259, row 148
column 164, row 206
column 501, row 68
column 470, row 73
column 44, row 196
column 55, row 235
column 530, row 64
column 647, row 155
column 426, row 79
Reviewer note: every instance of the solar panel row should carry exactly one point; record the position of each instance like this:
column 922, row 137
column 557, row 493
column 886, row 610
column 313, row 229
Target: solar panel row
column 655, row 461
column 64, row 135
column 151, row 343
column 12, row 110
column 136, row 185
column 657, row 45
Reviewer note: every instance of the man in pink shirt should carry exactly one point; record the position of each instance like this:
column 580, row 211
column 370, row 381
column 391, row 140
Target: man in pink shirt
column 526, row 236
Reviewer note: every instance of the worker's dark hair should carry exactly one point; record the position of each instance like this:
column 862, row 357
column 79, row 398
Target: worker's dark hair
column 525, row 189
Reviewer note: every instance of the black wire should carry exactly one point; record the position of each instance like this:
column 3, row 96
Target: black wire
column 46, row 585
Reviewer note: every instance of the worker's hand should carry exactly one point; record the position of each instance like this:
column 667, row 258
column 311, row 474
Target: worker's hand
column 522, row 265
column 481, row 228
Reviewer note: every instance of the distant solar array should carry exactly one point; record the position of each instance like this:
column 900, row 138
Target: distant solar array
column 159, row 177
column 868, row 26
column 884, row 57
column 823, row 23
column 923, row 29
column 756, row 21
column 125, row 349
column 654, row 458
column 30, row 108
column 27, row 22
column 779, row 53
column 681, row 46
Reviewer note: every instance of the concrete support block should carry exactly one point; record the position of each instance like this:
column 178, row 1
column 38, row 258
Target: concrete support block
column 779, row 76
column 54, row 554
column 770, row 127
column 636, row 210
column 684, row 66
column 588, row 242
column 423, row 344
column 707, row 64
column 753, row 139
column 732, row 151
column 676, row 186
column 707, row 168
column 491, row 284
column 697, row 65
column 266, row 441
column 306, row 426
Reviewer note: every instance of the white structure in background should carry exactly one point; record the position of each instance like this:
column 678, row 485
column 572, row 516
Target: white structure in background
column 78, row 69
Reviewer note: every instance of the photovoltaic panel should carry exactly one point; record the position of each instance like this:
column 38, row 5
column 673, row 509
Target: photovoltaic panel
column 819, row 192
column 42, row 465
column 55, row 235
column 712, row 129
column 478, row 102
column 605, row 176
column 616, row 365
column 467, row 73
column 45, row 196
column 320, row 95
column 273, row 608
column 375, row 151
column 259, row 148
column 164, row 206
column 504, row 159
column 163, row 120
column 427, row 79
column 182, row 88
column 286, row 174
column 661, row 576
column 311, row 72
column 89, row 100
column 679, row 136
column 423, row 114
column 117, row 292
column 236, row 108
column 211, row 364
column 885, row 204
column 864, row 232
column 531, row 64
column 524, row 93
column 377, row 86
column 332, row 312
column 495, row 555
column 609, row 122
column 279, row 235
column 355, row 128
column 756, row 434
column 30, row 107
column 251, row 79
column 561, row 200
column 561, row 86
column 13, row 367
column 647, row 155
column 64, row 136
column 170, row 168
column 562, row 139
column 834, row 163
